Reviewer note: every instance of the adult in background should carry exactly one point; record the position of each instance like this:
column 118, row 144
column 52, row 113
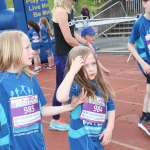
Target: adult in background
column 65, row 40
column 85, row 12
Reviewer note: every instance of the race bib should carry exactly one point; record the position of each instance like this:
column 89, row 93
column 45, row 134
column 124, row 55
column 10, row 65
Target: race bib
column 35, row 39
column 147, row 38
column 93, row 113
column 25, row 111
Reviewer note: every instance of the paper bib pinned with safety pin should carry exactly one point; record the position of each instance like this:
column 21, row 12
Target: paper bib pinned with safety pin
column 93, row 113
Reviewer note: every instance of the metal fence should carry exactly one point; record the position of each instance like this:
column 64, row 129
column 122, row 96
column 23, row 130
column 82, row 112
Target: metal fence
column 114, row 27
column 134, row 7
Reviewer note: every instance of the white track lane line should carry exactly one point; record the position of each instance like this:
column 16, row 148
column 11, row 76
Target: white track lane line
column 126, row 145
column 127, row 88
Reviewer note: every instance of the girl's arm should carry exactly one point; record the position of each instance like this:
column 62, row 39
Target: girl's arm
column 54, row 110
column 80, row 39
column 61, row 17
column 107, row 133
column 64, row 88
column 145, row 66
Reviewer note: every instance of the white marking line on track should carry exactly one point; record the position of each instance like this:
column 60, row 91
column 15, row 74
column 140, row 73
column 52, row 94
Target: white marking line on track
column 126, row 145
column 47, row 88
column 113, row 141
column 121, row 61
column 46, row 80
column 118, row 64
column 127, row 88
column 123, row 71
column 122, row 101
column 124, row 79
column 46, row 94
column 45, row 121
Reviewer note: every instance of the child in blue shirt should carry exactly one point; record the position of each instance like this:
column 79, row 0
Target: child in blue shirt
column 46, row 35
column 88, row 33
column 34, row 37
column 91, row 123
column 141, row 36
column 21, row 98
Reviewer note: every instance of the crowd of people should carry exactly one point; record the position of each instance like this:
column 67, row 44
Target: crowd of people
column 80, row 82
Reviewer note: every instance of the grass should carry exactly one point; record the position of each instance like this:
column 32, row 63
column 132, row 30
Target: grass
column 90, row 5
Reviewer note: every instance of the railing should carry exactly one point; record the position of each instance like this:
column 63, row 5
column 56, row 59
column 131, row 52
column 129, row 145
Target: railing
column 113, row 31
column 134, row 7
column 98, row 14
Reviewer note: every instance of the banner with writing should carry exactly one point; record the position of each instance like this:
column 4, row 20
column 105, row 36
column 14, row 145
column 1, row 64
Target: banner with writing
column 35, row 9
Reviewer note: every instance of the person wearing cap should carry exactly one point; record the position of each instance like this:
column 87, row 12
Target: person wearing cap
column 88, row 33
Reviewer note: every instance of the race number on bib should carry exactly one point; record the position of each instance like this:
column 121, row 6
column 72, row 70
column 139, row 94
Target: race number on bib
column 93, row 113
column 25, row 111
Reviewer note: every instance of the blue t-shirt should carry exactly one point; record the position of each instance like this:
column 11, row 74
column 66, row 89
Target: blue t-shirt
column 83, row 135
column 141, row 32
column 16, row 102
column 47, row 44
column 34, row 39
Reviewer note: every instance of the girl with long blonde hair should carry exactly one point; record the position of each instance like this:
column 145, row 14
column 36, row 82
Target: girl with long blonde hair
column 91, row 123
column 21, row 98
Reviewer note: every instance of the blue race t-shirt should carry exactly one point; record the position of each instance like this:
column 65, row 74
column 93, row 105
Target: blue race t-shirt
column 20, row 112
column 84, row 134
column 47, row 44
column 34, row 39
column 141, row 37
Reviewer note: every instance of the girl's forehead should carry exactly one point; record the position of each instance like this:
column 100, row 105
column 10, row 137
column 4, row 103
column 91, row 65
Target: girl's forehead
column 89, row 57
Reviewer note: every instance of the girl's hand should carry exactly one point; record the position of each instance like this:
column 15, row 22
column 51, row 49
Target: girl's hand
column 106, row 135
column 146, row 67
column 90, row 46
column 107, row 72
column 76, row 65
column 79, row 100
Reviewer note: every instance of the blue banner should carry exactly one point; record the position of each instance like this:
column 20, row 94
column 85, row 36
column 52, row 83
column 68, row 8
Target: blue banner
column 35, row 9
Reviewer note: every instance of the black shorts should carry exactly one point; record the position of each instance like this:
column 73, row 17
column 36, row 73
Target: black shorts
column 147, row 77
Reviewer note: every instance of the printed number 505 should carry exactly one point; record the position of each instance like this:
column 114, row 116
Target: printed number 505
column 29, row 109
column 97, row 108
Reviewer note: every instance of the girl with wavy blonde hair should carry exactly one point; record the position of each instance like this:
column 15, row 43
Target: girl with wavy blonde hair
column 91, row 123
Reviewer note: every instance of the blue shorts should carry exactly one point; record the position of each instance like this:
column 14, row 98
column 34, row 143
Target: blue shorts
column 147, row 77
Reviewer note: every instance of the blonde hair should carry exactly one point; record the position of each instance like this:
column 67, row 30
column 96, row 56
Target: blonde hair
column 81, row 79
column 60, row 3
column 11, row 51
column 46, row 23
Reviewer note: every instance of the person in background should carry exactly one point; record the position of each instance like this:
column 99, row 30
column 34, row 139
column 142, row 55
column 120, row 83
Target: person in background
column 85, row 14
column 91, row 123
column 141, row 36
column 93, row 14
column 75, row 2
column 88, row 33
column 73, row 11
column 46, row 33
column 34, row 37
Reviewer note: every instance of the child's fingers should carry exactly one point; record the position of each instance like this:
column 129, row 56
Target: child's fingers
column 101, row 136
column 104, row 142
column 83, row 95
